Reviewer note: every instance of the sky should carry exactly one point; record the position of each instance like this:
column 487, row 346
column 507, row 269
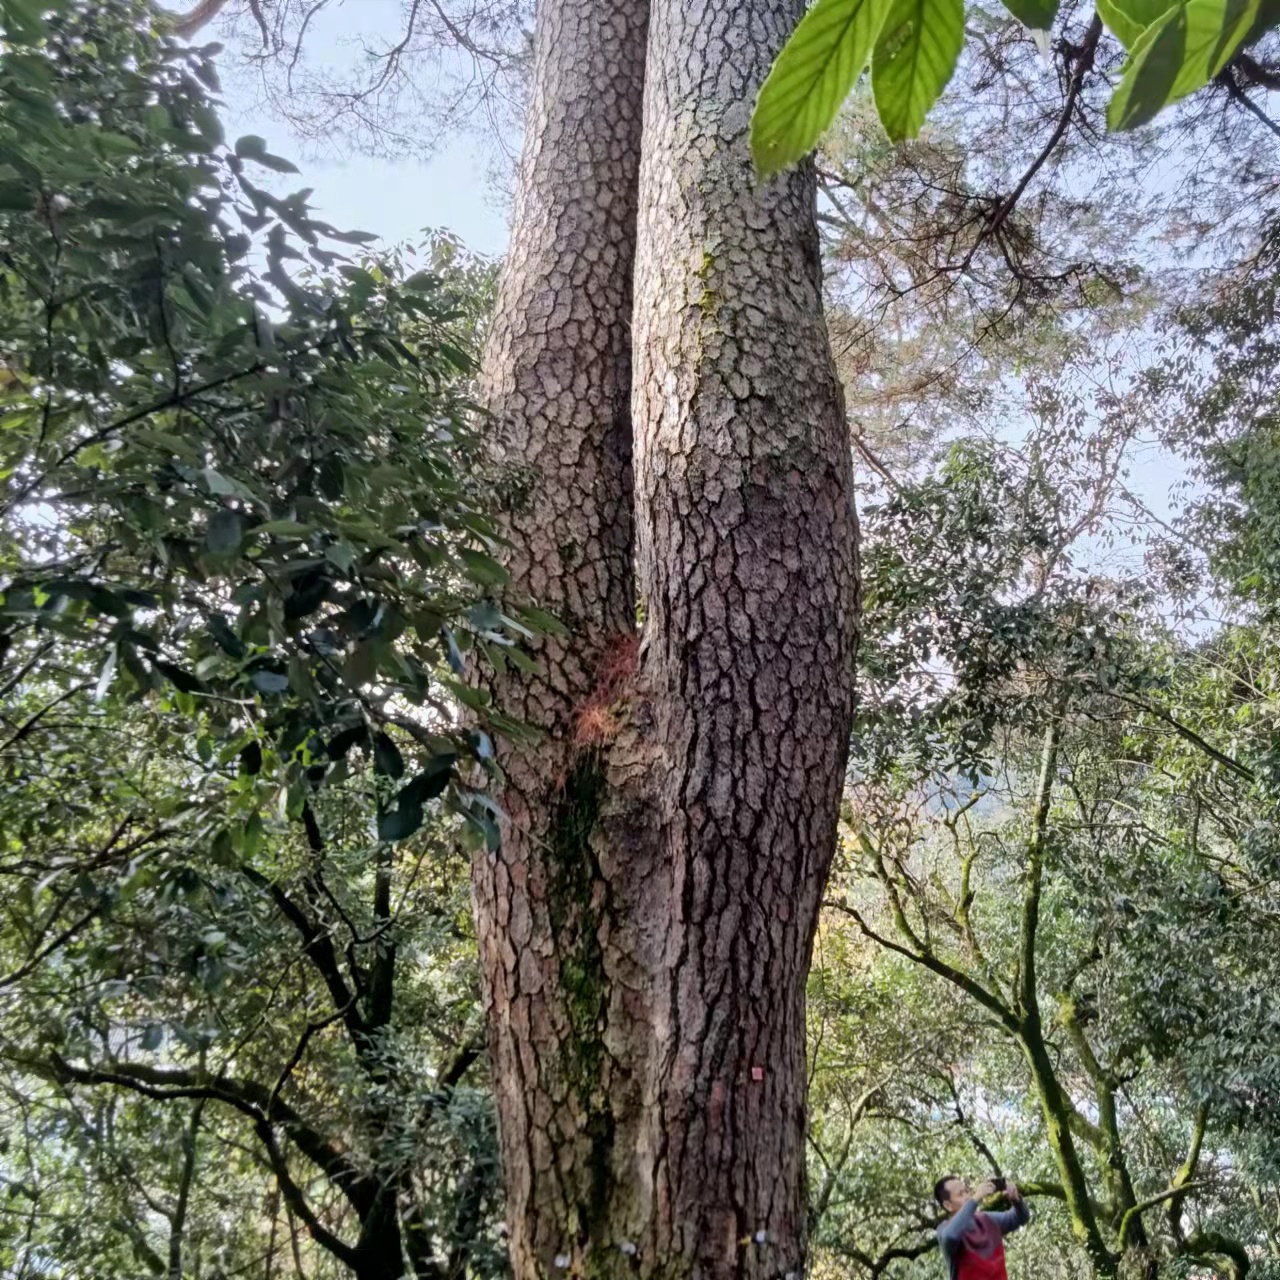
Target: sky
column 395, row 199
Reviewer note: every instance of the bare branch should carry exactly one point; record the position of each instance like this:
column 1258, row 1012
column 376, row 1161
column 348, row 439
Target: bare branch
column 192, row 22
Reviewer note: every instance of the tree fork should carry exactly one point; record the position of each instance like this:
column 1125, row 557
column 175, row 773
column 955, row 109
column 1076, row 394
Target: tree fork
column 645, row 929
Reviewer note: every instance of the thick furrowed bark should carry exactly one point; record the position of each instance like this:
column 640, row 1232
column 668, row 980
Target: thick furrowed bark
column 645, row 930
column 747, row 569
column 557, row 376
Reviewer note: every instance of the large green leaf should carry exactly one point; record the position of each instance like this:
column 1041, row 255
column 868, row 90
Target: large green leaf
column 913, row 60
column 1177, row 55
column 812, row 76
column 1128, row 19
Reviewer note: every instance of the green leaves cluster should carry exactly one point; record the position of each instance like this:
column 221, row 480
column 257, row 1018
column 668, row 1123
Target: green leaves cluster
column 246, row 557
column 912, row 47
column 256, row 499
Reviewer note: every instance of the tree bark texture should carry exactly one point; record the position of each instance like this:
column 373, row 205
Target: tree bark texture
column 646, row 927
column 557, row 377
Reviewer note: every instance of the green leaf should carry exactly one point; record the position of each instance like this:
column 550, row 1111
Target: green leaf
column 812, row 76
column 1128, row 19
column 300, row 677
column 483, row 568
column 430, row 783
column 1177, row 55
column 913, row 60
column 341, row 556
column 252, row 147
column 115, row 144
column 1036, row 14
column 361, row 668
column 251, row 835
column 544, row 623
column 16, row 196
column 285, row 528
column 401, row 822
column 224, row 486
column 220, row 629
column 24, row 18
column 180, row 679
column 225, row 530
column 345, row 739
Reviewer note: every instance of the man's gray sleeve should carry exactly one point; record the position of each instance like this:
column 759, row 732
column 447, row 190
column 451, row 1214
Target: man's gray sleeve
column 952, row 1231
column 1011, row 1219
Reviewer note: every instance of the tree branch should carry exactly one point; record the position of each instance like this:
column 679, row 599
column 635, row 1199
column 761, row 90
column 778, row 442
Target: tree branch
column 317, row 946
column 1084, row 55
column 1227, row 79
column 297, row 1202
column 1028, row 997
column 1191, row 736
column 928, row 960
column 246, row 1096
column 188, row 24
column 1136, row 1211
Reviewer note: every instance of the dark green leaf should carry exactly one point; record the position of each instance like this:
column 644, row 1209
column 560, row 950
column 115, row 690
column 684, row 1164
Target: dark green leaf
column 399, row 823
column 16, row 196
column 225, row 531
column 179, row 678
column 227, row 639
column 432, row 781
column 343, row 741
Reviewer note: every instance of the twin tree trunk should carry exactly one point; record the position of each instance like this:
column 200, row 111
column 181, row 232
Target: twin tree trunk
column 660, row 367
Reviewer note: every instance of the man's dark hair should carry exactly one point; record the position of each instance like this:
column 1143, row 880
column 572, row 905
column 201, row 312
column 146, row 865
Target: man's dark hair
column 940, row 1189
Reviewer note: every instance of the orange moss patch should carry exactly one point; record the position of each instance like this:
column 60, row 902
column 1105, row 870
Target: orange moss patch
column 597, row 719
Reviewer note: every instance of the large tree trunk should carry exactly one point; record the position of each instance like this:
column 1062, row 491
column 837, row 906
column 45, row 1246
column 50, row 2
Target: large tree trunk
column 747, row 568
column 646, row 927
column 557, row 375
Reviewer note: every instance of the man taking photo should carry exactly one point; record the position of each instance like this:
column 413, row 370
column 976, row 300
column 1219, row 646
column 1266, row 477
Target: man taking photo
column 972, row 1241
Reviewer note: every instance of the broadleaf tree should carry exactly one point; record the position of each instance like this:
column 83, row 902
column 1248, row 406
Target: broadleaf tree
column 246, row 558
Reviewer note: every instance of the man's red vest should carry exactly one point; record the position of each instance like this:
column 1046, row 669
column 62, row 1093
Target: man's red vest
column 982, row 1255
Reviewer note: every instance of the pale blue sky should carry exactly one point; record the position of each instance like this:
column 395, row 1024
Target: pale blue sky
column 394, row 199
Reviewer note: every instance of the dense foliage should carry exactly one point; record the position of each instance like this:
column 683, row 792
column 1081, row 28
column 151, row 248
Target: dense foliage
column 244, row 554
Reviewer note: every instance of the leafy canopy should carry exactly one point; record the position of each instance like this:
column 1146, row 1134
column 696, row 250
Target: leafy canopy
column 244, row 555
